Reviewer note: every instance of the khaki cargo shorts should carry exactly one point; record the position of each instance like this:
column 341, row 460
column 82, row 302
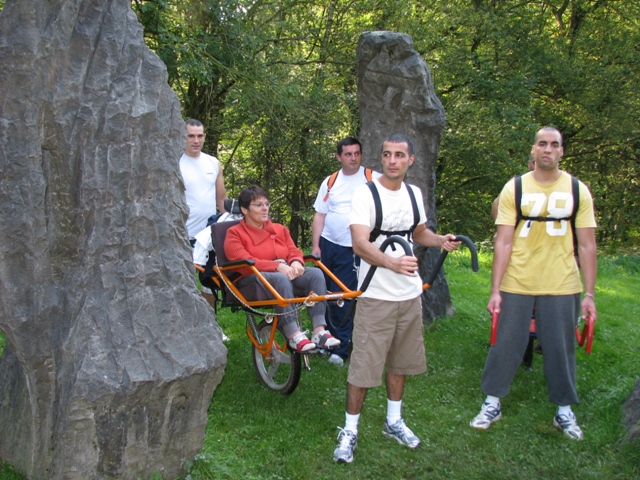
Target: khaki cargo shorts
column 386, row 334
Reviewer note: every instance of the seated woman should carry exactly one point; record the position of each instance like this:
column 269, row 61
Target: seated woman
column 277, row 258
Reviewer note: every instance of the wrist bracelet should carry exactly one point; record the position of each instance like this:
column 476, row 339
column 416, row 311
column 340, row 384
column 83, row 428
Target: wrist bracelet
column 590, row 295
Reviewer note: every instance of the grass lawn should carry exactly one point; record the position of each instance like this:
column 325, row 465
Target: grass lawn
column 254, row 433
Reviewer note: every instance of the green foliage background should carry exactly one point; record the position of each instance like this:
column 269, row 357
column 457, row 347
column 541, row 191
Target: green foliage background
column 274, row 83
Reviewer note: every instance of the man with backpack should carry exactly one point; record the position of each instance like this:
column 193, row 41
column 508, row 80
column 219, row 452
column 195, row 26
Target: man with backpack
column 534, row 268
column 388, row 327
column 332, row 238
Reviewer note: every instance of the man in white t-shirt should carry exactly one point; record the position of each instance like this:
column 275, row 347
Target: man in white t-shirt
column 203, row 180
column 332, row 237
column 387, row 328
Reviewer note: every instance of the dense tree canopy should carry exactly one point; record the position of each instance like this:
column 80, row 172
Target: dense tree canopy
column 274, row 84
column 505, row 68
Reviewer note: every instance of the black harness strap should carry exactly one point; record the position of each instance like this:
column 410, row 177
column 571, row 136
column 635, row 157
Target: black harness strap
column 377, row 231
column 575, row 191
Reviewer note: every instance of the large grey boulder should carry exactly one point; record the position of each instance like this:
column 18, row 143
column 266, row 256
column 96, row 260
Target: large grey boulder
column 631, row 414
column 112, row 356
column 396, row 95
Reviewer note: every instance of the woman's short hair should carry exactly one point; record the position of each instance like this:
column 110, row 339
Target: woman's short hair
column 250, row 194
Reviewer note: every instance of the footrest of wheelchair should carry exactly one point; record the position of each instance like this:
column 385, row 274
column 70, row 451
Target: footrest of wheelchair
column 315, row 351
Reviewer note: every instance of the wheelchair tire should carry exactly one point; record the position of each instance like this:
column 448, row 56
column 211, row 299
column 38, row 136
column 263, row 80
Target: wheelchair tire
column 281, row 370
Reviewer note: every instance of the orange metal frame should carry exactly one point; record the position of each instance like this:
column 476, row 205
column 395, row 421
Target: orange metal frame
column 278, row 301
column 221, row 273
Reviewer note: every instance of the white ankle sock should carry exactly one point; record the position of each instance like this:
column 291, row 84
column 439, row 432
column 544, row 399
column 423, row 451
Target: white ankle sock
column 351, row 422
column 564, row 410
column 495, row 401
column 394, row 411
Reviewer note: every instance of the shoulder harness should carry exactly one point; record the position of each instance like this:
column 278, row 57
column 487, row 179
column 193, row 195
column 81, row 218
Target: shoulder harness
column 377, row 231
column 575, row 191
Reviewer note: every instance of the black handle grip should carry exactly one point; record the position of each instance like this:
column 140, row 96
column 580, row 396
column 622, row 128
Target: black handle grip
column 409, row 251
column 365, row 283
column 472, row 249
column 444, row 253
column 394, row 239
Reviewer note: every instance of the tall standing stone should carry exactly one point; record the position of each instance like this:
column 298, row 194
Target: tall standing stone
column 112, row 356
column 396, row 95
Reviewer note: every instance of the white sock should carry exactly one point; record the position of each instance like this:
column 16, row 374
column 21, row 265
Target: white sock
column 351, row 422
column 394, row 409
column 491, row 400
column 564, row 410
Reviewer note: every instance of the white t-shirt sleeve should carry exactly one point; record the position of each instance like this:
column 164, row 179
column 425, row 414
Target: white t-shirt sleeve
column 362, row 208
column 320, row 205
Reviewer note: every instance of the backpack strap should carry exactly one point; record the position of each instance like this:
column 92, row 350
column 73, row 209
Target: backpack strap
column 414, row 206
column 377, row 231
column 330, row 182
column 368, row 174
column 575, row 192
column 518, row 191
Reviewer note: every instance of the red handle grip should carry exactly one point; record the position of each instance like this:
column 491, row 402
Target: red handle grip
column 587, row 334
column 494, row 327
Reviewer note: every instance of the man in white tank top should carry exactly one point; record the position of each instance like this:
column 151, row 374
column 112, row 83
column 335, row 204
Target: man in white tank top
column 204, row 187
column 203, row 180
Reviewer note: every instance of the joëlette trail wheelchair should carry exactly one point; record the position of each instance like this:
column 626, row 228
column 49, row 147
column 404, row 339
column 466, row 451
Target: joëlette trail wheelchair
column 277, row 365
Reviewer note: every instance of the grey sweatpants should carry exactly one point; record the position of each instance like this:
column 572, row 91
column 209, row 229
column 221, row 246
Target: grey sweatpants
column 556, row 317
column 311, row 281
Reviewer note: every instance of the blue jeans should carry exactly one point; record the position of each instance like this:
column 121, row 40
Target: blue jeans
column 343, row 263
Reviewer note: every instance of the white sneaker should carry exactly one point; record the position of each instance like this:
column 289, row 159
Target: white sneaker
column 324, row 339
column 401, row 434
column 347, row 443
column 569, row 425
column 336, row 360
column 488, row 415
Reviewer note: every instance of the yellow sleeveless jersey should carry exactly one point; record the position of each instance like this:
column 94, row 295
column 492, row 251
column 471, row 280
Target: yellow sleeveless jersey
column 542, row 259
